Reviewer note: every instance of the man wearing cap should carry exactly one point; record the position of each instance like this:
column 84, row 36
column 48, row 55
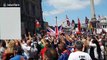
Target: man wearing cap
column 79, row 55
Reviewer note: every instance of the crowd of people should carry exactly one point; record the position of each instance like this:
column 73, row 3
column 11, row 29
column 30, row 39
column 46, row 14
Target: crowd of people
column 65, row 47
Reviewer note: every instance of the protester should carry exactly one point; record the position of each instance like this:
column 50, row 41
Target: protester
column 47, row 47
column 9, row 53
column 50, row 54
column 2, row 48
column 95, row 50
column 17, row 54
column 79, row 55
column 64, row 55
column 27, row 48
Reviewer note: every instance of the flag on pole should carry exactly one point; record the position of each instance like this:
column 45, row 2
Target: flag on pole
column 67, row 19
column 37, row 24
column 90, row 26
column 86, row 23
column 50, row 31
column 73, row 24
column 79, row 25
column 60, row 29
column 56, row 31
column 86, row 20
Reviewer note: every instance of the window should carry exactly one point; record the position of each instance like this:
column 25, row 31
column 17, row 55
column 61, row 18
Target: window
column 104, row 26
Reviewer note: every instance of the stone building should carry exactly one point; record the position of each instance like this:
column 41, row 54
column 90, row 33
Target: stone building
column 103, row 22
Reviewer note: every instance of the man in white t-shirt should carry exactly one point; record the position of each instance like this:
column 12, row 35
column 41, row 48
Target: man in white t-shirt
column 79, row 55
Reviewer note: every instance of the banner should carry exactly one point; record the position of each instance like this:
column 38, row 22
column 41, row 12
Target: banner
column 10, row 23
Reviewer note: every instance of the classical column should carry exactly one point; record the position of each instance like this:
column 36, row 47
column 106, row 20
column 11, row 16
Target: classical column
column 93, row 16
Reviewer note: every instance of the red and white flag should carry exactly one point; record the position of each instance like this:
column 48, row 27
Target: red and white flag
column 37, row 24
column 79, row 25
column 56, row 31
column 50, row 31
column 86, row 20
column 60, row 29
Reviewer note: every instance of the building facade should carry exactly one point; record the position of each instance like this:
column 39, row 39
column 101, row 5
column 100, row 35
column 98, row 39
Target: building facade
column 103, row 22
column 31, row 10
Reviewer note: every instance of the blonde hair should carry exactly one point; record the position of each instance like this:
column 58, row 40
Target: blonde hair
column 11, row 46
column 43, row 41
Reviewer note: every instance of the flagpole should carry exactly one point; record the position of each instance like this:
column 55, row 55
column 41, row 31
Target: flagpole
column 56, row 29
column 56, row 20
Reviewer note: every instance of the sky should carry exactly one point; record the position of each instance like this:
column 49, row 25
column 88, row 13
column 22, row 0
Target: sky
column 74, row 9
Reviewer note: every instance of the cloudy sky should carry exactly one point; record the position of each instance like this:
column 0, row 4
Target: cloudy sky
column 74, row 9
